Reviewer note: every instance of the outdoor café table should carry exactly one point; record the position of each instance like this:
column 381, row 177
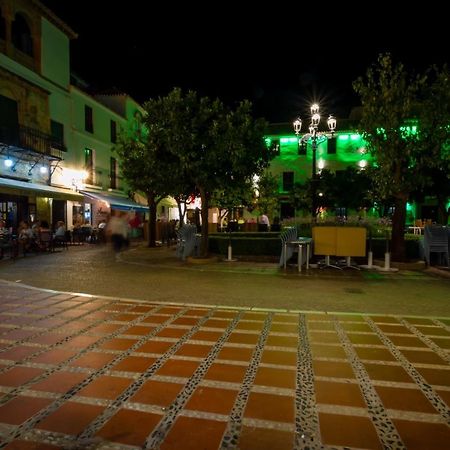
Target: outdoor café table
column 300, row 242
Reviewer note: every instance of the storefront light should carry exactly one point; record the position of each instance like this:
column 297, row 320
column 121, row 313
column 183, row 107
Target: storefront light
column 362, row 164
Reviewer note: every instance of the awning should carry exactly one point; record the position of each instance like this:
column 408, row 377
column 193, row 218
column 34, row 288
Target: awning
column 116, row 202
column 16, row 187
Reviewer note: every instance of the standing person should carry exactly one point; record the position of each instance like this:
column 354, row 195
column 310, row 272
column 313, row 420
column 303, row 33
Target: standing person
column 263, row 223
column 118, row 229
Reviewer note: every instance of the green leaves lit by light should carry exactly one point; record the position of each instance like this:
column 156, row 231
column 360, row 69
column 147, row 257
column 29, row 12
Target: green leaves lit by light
column 408, row 131
column 268, row 142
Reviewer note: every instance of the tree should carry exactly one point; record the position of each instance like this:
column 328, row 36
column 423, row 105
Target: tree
column 434, row 120
column 239, row 194
column 390, row 98
column 300, row 195
column 141, row 163
column 348, row 188
column 210, row 145
column 267, row 200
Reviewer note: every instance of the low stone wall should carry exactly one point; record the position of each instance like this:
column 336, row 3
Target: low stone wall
column 269, row 244
column 257, row 244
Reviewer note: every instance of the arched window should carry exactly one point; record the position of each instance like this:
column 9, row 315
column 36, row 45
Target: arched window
column 21, row 35
column 2, row 26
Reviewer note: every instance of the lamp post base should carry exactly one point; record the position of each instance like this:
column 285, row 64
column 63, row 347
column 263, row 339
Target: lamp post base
column 230, row 255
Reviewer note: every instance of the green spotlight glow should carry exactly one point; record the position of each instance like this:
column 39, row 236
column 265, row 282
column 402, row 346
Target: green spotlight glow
column 288, row 140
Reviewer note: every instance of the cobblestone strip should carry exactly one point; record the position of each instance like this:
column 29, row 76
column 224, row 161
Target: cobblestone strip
column 307, row 433
column 426, row 389
column 137, row 384
column 426, row 340
column 24, row 301
column 49, row 330
column 46, row 317
column 13, row 393
column 441, row 324
column 231, row 436
column 32, row 421
column 384, row 426
column 161, row 431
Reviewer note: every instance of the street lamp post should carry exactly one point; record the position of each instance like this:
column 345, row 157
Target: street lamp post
column 314, row 134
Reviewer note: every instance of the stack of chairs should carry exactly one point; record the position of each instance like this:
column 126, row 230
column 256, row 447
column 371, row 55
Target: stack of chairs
column 187, row 241
column 287, row 235
column 436, row 240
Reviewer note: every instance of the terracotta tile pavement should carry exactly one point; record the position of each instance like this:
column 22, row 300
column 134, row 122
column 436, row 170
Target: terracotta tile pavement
column 173, row 376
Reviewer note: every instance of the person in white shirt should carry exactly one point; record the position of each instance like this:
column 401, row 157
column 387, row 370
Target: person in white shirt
column 264, row 220
column 118, row 229
column 263, row 223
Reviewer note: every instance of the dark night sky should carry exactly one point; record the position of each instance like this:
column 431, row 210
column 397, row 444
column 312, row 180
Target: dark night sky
column 281, row 57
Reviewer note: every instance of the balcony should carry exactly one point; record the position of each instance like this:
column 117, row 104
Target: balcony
column 31, row 141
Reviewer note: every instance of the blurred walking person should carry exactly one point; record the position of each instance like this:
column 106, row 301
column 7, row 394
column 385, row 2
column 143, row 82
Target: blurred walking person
column 118, row 230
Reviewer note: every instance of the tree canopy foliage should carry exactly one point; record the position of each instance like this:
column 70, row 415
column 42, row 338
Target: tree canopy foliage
column 196, row 143
column 144, row 169
column 403, row 130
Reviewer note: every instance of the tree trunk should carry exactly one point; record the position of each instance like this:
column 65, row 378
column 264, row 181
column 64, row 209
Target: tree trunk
column 205, row 206
column 181, row 213
column 398, row 228
column 152, row 221
column 442, row 210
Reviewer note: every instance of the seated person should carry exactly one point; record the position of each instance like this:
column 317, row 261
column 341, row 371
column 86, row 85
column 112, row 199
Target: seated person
column 45, row 236
column 25, row 236
column 60, row 233
column 263, row 224
column 5, row 238
column 86, row 231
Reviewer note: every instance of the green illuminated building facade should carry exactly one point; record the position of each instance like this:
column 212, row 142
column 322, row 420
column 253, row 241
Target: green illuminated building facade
column 346, row 148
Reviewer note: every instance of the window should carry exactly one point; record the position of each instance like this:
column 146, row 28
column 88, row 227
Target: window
column 341, row 212
column 9, row 121
column 57, row 130
column 2, row 26
column 21, row 35
column 301, row 147
column 286, row 211
column 331, row 146
column 88, row 119
column 113, row 131
column 276, row 147
column 288, row 181
column 113, row 173
column 89, row 165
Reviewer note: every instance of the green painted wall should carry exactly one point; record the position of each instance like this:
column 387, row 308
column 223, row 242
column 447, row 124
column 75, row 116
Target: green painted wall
column 99, row 140
column 350, row 151
column 55, row 62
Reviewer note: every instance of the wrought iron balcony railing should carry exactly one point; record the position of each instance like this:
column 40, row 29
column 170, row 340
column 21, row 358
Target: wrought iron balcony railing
column 32, row 140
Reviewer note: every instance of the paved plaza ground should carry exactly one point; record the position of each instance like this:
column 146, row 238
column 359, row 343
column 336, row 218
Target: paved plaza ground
column 150, row 352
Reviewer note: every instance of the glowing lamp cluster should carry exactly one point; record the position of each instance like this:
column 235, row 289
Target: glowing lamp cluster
column 314, row 135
